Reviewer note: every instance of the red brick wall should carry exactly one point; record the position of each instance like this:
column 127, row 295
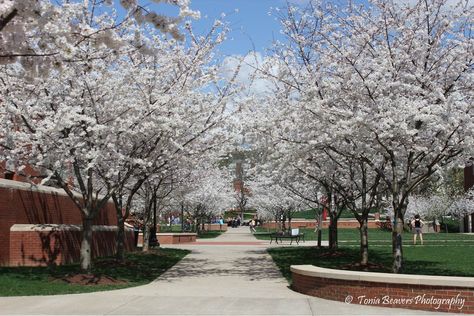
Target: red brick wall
column 39, row 248
column 215, row 227
column 385, row 294
column 170, row 238
column 21, row 206
column 176, row 239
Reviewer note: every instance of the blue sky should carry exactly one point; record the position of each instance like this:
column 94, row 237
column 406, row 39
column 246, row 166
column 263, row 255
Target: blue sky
column 251, row 24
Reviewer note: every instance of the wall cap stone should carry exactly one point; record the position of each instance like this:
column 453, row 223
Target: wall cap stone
column 60, row 227
column 24, row 186
column 378, row 277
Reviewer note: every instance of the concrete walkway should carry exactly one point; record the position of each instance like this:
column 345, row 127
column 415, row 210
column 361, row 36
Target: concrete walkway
column 228, row 275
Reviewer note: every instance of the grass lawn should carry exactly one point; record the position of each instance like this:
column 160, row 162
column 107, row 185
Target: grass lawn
column 442, row 253
column 138, row 269
column 202, row 234
column 381, row 238
column 437, row 260
column 208, row 234
column 311, row 214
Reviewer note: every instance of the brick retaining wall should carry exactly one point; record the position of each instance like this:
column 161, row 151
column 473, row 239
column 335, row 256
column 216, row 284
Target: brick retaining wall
column 23, row 203
column 40, row 245
column 432, row 293
column 215, row 227
column 170, row 238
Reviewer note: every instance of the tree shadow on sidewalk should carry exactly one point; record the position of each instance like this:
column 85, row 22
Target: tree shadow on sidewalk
column 254, row 267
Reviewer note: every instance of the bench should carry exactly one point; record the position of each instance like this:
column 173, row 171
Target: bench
column 296, row 237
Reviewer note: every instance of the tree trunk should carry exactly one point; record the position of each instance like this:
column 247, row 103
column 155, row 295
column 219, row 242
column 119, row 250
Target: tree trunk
column 364, row 243
column 333, row 234
column 86, row 244
column 197, row 225
column 120, row 255
column 397, row 245
column 283, row 223
column 146, row 237
column 182, row 217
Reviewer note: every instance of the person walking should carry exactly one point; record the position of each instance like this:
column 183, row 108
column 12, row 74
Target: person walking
column 252, row 226
column 436, row 225
column 417, row 225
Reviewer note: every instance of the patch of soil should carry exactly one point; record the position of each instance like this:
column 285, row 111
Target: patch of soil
column 112, row 263
column 90, row 279
column 332, row 254
column 356, row 266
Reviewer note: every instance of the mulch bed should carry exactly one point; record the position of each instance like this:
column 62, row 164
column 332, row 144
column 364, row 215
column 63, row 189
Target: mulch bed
column 332, row 254
column 90, row 279
column 356, row 266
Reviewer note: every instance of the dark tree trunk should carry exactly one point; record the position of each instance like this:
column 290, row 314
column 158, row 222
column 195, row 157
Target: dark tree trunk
column 146, row 227
column 120, row 255
column 364, row 242
column 333, row 234
column 283, row 223
column 182, row 217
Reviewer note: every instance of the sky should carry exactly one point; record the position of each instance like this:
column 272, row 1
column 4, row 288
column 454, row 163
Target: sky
column 249, row 20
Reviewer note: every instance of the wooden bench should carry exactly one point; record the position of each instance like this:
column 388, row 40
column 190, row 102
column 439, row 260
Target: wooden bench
column 280, row 236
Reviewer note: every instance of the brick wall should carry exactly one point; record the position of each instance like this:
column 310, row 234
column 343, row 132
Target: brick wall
column 38, row 245
column 180, row 238
column 21, row 203
column 215, row 227
column 170, row 238
column 411, row 296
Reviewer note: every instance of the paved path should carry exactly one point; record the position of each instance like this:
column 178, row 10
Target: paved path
column 229, row 275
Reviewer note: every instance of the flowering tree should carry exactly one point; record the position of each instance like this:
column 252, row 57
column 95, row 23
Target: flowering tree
column 114, row 114
column 272, row 199
column 438, row 205
column 168, row 125
column 63, row 124
column 386, row 85
column 40, row 35
column 206, row 193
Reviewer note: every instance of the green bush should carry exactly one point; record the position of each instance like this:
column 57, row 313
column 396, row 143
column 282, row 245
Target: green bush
column 449, row 225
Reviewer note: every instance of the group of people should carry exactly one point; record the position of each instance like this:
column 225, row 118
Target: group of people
column 234, row 222
column 237, row 221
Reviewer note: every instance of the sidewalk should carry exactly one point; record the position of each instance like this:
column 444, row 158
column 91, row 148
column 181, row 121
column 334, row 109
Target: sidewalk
column 230, row 275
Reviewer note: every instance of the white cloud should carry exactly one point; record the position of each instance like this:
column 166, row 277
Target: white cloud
column 247, row 75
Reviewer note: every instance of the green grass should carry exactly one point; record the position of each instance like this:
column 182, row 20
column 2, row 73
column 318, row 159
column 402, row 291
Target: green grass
column 208, row 234
column 169, row 229
column 379, row 237
column 138, row 269
column 247, row 214
column 177, row 229
column 434, row 260
column 311, row 214
column 441, row 254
